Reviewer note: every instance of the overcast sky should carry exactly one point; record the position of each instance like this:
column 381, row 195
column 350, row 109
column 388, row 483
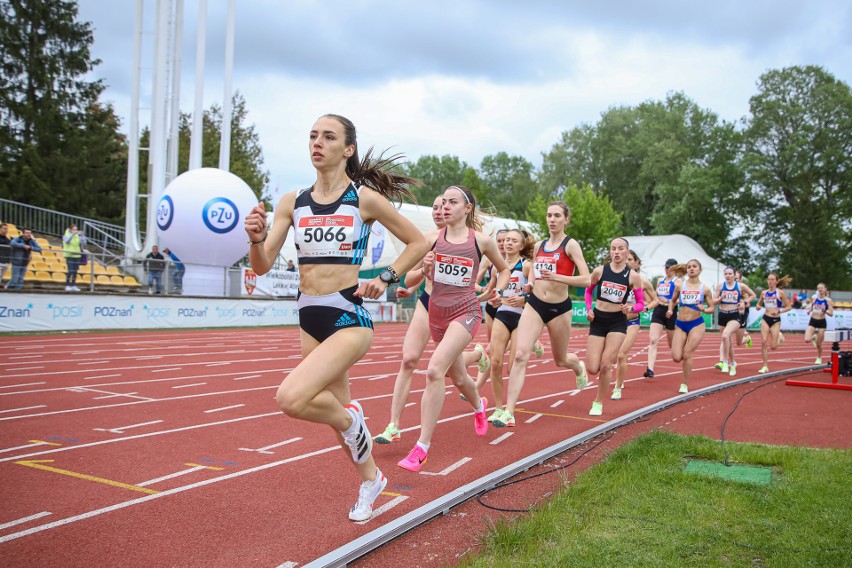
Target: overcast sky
column 472, row 77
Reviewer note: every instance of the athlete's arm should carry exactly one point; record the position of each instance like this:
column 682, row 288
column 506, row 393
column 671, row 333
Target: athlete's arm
column 262, row 256
column 675, row 297
column 786, row 304
column 710, row 300
column 489, row 249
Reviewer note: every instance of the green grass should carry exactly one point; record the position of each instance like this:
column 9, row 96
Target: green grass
column 639, row 508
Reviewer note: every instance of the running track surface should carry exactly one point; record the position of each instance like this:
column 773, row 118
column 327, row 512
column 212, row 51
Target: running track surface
column 166, row 448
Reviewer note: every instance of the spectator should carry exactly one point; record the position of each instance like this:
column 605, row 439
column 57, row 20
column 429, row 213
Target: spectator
column 5, row 250
column 291, row 267
column 803, row 299
column 22, row 247
column 72, row 245
column 178, row 270
column 797, row 303
column 155, row 263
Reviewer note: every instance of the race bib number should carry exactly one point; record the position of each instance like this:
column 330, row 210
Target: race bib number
column 663, row 289
column 690, row 297
column 513, row 288
column 770, row 303
column 544, row 263
column 613, row 292
column 453, row 270
column 818, row 309
column 730, row 297
column 326, row 235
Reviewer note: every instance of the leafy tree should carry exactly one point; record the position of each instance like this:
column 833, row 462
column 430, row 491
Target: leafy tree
column 594, row 221
column 438, row 173
column 799, row 164
column 508, row 184
column 59, row 147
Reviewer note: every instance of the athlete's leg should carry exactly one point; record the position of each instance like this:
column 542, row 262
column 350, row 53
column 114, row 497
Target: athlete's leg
column 621, row 369
column 529, row 328
column 500, row 338
column 609, row 355
column 416, row 339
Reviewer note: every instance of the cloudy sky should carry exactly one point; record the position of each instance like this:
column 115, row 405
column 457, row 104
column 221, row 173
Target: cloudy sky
column 472, row 77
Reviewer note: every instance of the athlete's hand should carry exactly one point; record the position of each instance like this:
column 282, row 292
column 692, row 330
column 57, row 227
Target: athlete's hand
column 545, row 275
column 590, row 315
column 495, row 300
column 403, row 292
column 428, row 264
column 516, row 301
column 255, row 222
column 526, row 289
column 372, row 289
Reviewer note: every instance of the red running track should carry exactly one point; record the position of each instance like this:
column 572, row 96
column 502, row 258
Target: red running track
column 166, row 448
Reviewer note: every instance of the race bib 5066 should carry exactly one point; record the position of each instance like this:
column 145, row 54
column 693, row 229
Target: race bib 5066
column 326, row 235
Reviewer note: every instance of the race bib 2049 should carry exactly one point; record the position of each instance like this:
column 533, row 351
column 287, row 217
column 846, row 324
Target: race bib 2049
column 544, row 263
column 613, row 292
column 453, row 270
column 326, row 235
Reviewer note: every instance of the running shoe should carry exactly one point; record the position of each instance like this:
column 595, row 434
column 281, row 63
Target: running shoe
column 359, row 441
column 724, row 367
column 415, row 459
column 719, row 365
column 495, row 415
column 732, row 369
column 582, row 378
column 683, row 388
column 369, row 491
column 391, row 434
column 764, row 369
column 538, row 350
column 818, row 361
column 484, row 362
column 616, row 394
column 480, row 422
column 748, row 340
column 597, row 409
column 780, row 338
column 648, row 374
column 505, row 420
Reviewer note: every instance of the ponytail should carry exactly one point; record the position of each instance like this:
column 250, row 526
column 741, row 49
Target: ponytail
column 678, row 270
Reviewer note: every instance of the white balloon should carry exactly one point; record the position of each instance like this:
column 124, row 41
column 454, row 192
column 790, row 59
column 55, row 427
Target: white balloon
column 200, row 217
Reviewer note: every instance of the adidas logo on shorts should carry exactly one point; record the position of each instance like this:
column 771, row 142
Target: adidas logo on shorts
column 344, row 320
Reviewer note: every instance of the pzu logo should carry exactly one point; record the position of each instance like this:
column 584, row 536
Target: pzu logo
column 165, row 212
column 220, row 215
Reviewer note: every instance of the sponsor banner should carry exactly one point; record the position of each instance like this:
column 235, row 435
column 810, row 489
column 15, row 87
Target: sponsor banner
column 579, row 316
column 797, row 320
column 55, row 312
column 278, row 284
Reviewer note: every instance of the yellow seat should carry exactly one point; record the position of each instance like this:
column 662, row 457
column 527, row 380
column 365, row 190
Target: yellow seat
column 29, row 275
column 43, row 243
column 39, row 265
column 116, row 280
column 130, row 281
column 57, row 277
column 113, row 270
column 8, row 274
column 84, row 278
column 12, row 227
column 102, row 279
column 42, row 276
column 100, row 269
column 56, row 267
column 12, row 231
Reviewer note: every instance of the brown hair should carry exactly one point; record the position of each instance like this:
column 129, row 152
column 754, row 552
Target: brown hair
column 377, row 173
column 783, row 282
column 680, row 269
column 636, row 256
column 565, row 209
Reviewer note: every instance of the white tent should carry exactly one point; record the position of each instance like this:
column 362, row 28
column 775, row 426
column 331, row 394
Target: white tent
column 384, row 248
column 655, row 250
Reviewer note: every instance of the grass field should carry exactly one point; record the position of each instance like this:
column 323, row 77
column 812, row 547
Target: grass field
column 640, row 508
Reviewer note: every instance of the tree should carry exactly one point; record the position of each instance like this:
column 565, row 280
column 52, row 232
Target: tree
column 594, row 222
column 59, row 147
column 438, row 173
column 508, row 185
column 799, row 165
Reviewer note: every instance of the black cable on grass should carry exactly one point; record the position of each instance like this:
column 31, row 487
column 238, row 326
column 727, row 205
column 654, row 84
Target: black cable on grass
column 740, row 398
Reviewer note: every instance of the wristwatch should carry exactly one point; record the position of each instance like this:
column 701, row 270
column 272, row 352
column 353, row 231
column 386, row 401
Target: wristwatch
column 389, row 276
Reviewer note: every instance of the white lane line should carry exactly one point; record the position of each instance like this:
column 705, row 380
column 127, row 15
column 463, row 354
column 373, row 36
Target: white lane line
column 101, row 377
column 26, row 356
column 160, row 495
column 172, row 475
column 448, row 470
column 166, row 370
column 557, row 403
column 121, row 429
column 94, row 362
column 264, row 450
column 223, row 408
column 378, row 377
column 383, row 509
column 23, row 385
column 533, row 418
column 114, row 395
column 247, row 377
column 410, row 404
column 217, row 364
column 5, row 526
column 25, row 368
column 32, row 444
column 289, row 564
column 24, row 408
column 505, row 436
column 187, row 386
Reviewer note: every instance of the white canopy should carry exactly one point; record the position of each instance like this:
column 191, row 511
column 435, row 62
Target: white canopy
column 655, row 250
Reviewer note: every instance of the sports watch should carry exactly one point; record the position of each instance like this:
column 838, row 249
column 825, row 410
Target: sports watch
column 389, row 276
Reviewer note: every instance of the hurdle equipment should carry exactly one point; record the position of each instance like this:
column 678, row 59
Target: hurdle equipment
column 841, row 363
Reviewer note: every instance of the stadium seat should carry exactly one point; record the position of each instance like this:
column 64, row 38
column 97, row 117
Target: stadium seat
column 113, row 271
column 84, row 278
column 57, row 277
column 29, row 276
column 12, row 231
column 43, row 243
column 39, row 265
column 56, row 267
column 43, row 276
column 116, row 280
column 99, row 268
column 102, row 279
column 130, row 281
column 8, row 274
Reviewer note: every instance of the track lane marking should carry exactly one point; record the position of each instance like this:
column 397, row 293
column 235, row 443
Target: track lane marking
column 223, row 408
column 39, row 464
column 449, row 469
column 20, row 521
